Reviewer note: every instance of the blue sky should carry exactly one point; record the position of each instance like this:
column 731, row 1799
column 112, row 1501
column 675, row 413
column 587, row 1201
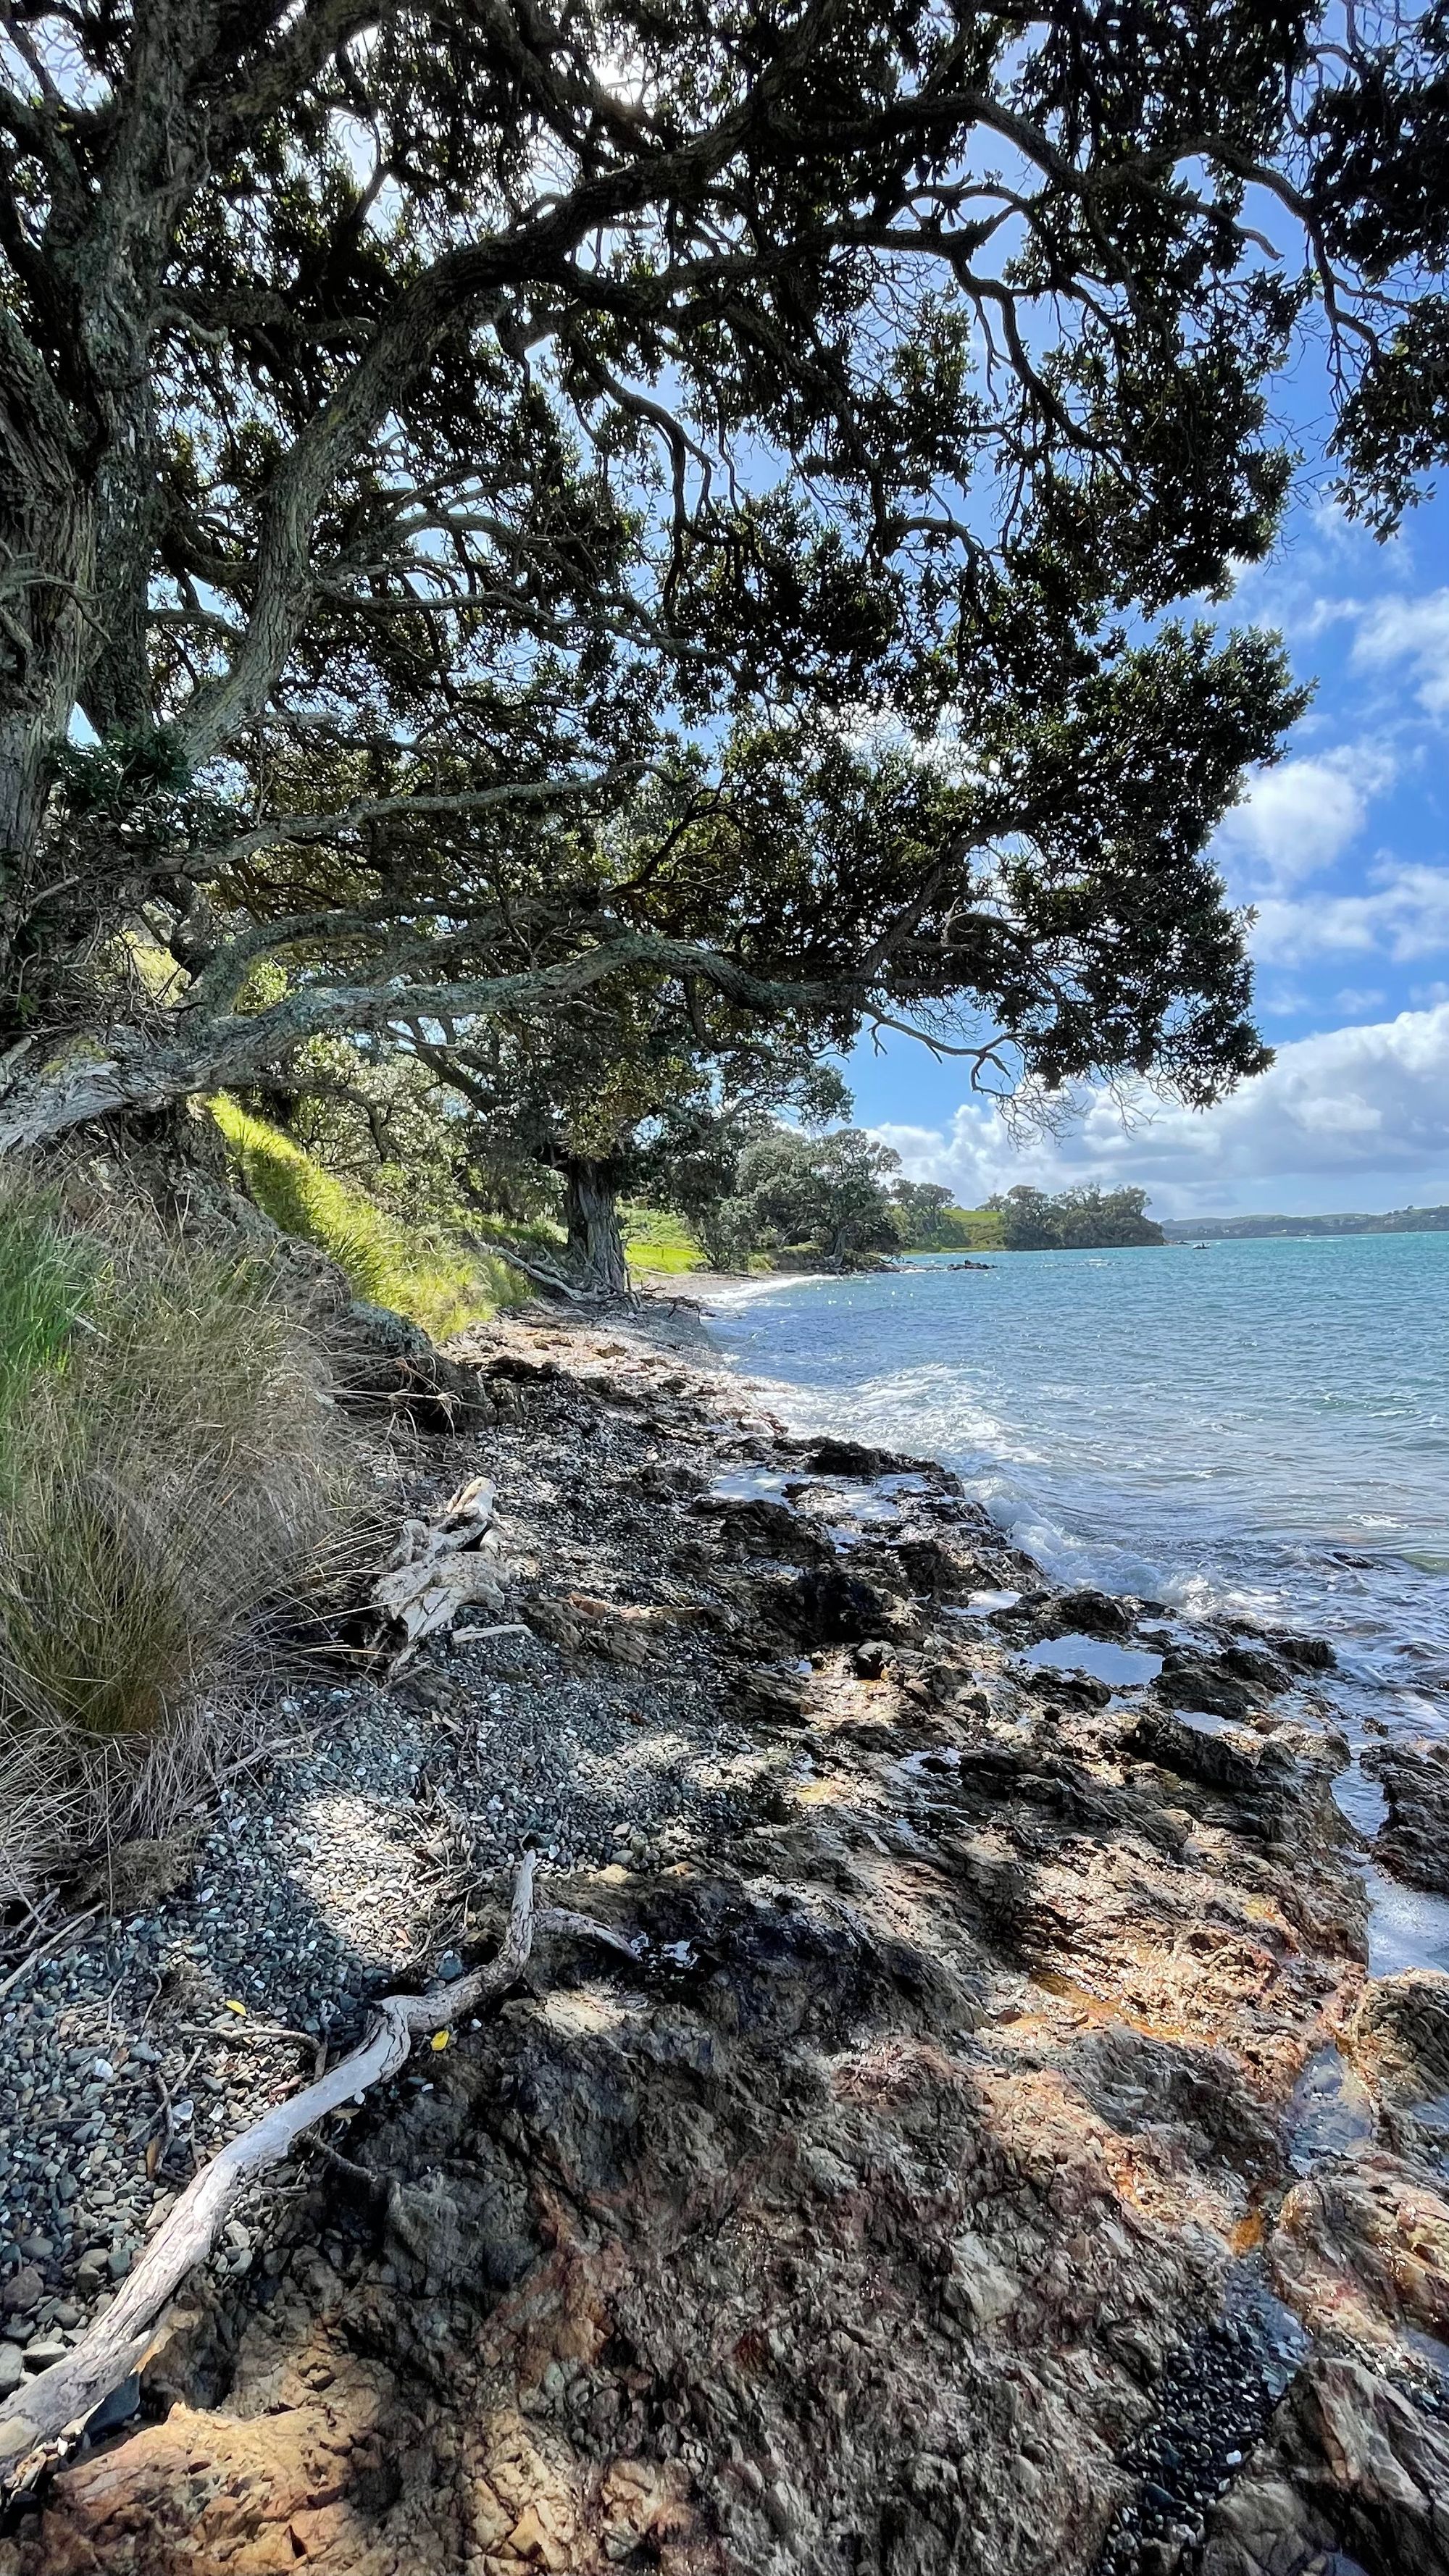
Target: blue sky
column 1344, row 848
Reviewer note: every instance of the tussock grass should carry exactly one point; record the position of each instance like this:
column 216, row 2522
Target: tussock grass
column 433, row 1280
column 168, row 1475
column 44, row 1275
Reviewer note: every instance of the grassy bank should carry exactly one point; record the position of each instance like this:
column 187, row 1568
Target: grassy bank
column 659, row 1246
column 433, row 1279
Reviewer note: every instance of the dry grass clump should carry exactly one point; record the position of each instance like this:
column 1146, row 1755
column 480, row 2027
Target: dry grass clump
column 167, row 1476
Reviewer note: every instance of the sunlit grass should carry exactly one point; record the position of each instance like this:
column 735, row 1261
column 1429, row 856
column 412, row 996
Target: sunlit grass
column 432, row 1279
column 658, row 1244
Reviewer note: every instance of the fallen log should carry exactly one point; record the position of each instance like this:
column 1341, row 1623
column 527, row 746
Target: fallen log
column 58, row 2400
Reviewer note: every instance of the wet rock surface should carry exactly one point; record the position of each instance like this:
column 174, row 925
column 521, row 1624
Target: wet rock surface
column 921, row 2194
column 1414, row 1843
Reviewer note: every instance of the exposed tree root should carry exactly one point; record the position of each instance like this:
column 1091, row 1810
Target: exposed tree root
column 60, row 2399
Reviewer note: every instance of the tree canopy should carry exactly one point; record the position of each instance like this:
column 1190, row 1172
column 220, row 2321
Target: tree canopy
column 499, row 502
column 824, row 1195
column 926, row 1219
column 1074, row 1220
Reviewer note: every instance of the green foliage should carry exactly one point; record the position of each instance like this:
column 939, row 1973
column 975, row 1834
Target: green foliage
column 44, row 1277
column 165, row 1474
column 375, row 1117
column 603, row 439
column 821, row 1195
column 926, row 1220
column 688, row 1157
column 124, row 770
column 1075, row 1220
column 433, row 1279
column 1234, row 1229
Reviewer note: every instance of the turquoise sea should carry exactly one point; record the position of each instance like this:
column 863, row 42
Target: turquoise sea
column 1259, row 1428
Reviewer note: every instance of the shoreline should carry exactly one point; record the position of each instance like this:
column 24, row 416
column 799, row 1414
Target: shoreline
column 1408, row 1924
column 1004, row 1983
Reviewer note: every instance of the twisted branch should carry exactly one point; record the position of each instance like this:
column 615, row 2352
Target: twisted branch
column 58, row 2400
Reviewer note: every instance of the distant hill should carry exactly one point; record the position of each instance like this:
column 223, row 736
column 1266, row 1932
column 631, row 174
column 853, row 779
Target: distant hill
column 1224, row 1229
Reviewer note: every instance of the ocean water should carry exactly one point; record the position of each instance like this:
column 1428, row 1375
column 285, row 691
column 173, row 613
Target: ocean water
column 1260, row 1428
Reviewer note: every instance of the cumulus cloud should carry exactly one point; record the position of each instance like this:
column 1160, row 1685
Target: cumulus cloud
column 1404, row 914
column 1352, row 1113
column 1299, row 818
column 1414, row 631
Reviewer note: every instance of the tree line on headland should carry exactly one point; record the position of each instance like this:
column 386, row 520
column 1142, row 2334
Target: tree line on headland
column 1225, row 1229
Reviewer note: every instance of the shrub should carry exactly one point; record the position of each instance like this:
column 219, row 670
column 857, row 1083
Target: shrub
column 428, row 1276
column 167, row 1475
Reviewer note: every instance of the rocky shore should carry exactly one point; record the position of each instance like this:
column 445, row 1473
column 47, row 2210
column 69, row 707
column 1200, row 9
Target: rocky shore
column 992, row 2155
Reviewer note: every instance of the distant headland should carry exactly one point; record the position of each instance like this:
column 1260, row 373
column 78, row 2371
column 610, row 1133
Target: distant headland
column 1222, row 1229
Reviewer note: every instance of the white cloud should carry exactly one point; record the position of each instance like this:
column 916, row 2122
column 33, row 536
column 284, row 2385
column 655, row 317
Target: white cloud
column 1355, row 999
column 1283, row 1001
column 1299, row 818
column 1415, row 631
column 1352, row 1115
column 1404, row 915
column 1294, row 820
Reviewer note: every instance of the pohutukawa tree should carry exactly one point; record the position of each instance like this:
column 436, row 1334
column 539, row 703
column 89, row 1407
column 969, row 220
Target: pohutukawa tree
column 416, row 426
column 614, row 1095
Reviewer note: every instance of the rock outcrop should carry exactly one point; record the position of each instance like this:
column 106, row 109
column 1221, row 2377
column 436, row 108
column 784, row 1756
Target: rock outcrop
column 877, row 2212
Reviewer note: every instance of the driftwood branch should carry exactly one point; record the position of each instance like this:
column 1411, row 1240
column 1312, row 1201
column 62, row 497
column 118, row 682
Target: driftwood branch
column 437, row 1569
column 59, row 2399
column 582, row 1927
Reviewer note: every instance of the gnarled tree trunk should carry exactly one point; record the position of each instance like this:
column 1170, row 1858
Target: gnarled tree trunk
column 594, row 1256
column 47, row 539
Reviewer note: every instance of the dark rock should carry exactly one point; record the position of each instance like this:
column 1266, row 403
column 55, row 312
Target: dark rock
column 520, row 1366
column 1239, row 1764
column 870, row 1658
column 22, row 2290
column 1073, row 1690
column 1095, row 1614
column 379, row 1357
column 1217, row 1683
column 753, row 1523
column 927, row 1566
column 1349, row 2464
column 1401, row 2036
column 1414, row 1843
column 852, row 1458
column 773, row 1698
column 1305, row 1654
column 825, row 1606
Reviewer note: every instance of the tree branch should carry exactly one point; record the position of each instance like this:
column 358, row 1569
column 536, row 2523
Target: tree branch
column 59, row 2399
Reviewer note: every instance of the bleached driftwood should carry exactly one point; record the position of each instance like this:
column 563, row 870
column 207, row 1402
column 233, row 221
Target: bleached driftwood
column 60, row 2398
column 438, row 1570
column 582, row 1927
